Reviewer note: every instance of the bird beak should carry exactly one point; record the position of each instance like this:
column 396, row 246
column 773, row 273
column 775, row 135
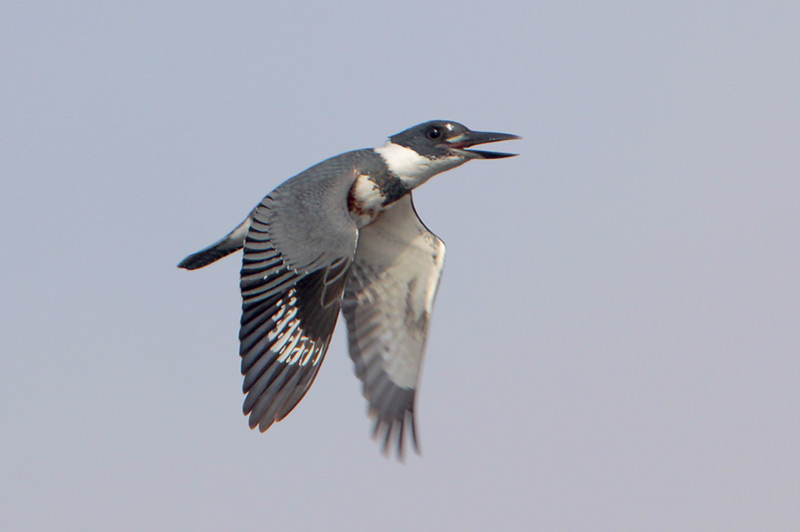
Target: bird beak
column 472, row 138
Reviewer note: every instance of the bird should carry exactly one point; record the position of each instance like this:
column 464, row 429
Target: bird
column 344, row 236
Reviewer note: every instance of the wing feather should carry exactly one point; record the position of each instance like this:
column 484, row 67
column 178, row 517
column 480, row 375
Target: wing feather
column 388, row 302
column 291, row 293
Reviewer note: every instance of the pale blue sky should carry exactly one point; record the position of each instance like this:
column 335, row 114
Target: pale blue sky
column 616, row 339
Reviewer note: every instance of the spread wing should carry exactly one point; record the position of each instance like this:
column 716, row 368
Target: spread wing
column 388, row 303
column 297, row 252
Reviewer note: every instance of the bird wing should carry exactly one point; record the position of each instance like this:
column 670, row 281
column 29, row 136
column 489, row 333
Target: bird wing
column 297, row 252
column 388, row 302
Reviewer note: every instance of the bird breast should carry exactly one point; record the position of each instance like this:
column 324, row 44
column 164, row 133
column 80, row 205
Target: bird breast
column 365, row 201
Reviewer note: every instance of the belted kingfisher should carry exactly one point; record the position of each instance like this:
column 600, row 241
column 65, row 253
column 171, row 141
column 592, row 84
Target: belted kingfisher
column 344, row 234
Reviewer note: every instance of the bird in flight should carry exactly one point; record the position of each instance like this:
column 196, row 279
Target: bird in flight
column 344, row 235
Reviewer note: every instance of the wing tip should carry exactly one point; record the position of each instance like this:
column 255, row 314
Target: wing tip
column 383, row 430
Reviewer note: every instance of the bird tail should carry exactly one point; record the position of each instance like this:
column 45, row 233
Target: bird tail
column 231, row 242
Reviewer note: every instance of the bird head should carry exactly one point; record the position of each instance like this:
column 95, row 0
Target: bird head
column 420, row 152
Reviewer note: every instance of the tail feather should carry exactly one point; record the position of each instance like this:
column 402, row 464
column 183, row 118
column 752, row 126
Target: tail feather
column 231, row 242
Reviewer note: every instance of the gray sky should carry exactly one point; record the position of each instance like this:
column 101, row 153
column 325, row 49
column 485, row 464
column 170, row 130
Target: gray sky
column 616, row 339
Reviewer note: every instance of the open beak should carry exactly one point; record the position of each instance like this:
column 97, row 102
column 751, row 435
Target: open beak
column 473, row 138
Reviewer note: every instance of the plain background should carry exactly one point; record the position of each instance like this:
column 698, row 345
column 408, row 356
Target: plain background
column 615, row 344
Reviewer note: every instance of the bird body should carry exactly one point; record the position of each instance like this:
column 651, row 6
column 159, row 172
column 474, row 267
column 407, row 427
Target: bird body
column 344, row 236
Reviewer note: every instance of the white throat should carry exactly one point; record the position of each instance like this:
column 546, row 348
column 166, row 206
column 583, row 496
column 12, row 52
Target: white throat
column 412, row 168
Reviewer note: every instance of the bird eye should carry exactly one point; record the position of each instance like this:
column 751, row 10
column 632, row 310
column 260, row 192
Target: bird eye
column 434, row 132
